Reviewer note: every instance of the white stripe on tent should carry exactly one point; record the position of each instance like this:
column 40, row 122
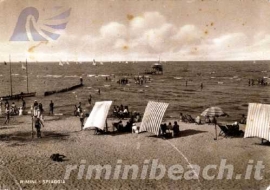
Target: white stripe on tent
column 258, row 121
column 98, row 115
column 152, row 117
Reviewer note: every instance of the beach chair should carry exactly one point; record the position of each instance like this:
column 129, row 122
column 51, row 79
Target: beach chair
column 190, row 119
column 224, row 131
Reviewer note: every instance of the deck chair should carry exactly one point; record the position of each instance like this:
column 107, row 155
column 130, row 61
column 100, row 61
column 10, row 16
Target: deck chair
column 190, row 119
column 224, row 131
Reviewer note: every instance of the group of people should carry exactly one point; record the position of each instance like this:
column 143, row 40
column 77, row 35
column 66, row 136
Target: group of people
column 174, row 129
column 121, row 111
column 260, row 81
column 123, row 81
column 11, row 109
column 141, row 79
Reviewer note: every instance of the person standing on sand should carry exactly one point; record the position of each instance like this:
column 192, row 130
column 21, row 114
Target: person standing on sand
column 51, row 108
column 38, row 124
column 201, row 86
column 81, row 80
column 23, row 104
column 186, row 82
column 90, row 99
column 99, row 91
column 81, row 118
column 7, row 115
column 40, row 111
column 175, row 129
column 75, row 110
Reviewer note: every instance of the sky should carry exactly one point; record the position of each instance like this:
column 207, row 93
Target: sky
column 135, row 30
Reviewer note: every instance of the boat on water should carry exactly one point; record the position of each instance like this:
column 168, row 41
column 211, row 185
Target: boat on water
column 19, row 96
column 157, row 69
column 22, row 94
column 94, row 62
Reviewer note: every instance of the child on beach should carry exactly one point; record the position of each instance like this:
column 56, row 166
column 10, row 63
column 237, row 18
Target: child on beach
column 38, row 124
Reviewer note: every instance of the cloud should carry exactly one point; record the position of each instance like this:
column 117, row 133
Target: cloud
column 147, row 36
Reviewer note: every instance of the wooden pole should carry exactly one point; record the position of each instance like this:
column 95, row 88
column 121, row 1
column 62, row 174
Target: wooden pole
column 10, row 76
column 27, row 77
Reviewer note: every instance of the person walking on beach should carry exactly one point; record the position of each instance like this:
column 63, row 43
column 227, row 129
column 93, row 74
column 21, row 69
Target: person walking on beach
column 201, row 86
column 81, row 80
column 90, row 99
column 23, row 104
column 7, row 115
column 99, row 91
column 51, row 108
column 38, row 123
column 81, row 118
column 186, row 82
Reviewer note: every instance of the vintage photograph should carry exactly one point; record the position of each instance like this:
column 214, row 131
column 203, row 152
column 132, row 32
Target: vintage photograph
column 134, row 94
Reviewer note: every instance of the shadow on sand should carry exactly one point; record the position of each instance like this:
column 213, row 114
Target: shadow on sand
column 23, row 137
column 183, row 133
column 265, row 143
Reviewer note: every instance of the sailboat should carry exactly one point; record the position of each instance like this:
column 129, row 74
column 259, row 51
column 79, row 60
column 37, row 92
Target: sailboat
column 22, row 94
column 94, row 62
column 61, row 63
column 23, row 67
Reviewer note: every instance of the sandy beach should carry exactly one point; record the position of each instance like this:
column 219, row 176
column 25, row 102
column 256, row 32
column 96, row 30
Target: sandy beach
column 24, row 158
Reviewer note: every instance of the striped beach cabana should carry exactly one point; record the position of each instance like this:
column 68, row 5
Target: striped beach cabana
column 258, row 121
column 98, row 115
column 153, row 116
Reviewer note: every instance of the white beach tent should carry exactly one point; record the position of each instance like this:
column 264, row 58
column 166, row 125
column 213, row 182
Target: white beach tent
column 152, row 117
column 258, row 121
column 98, row 115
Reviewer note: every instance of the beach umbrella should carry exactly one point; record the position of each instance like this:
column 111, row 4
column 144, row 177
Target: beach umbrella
column 214, row 112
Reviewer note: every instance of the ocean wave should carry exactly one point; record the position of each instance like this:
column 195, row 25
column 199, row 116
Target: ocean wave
column 49, row 76
column 71, row 76
column 15, row 74
column 91, row 75
column 178, row 78
column 53, row 76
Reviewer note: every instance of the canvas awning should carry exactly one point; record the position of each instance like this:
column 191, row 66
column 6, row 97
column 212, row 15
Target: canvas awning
column 98, row 115
column 153, row 116
column 258, row 121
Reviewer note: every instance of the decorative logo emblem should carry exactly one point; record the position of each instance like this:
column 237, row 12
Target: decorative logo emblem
column 30, row 28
